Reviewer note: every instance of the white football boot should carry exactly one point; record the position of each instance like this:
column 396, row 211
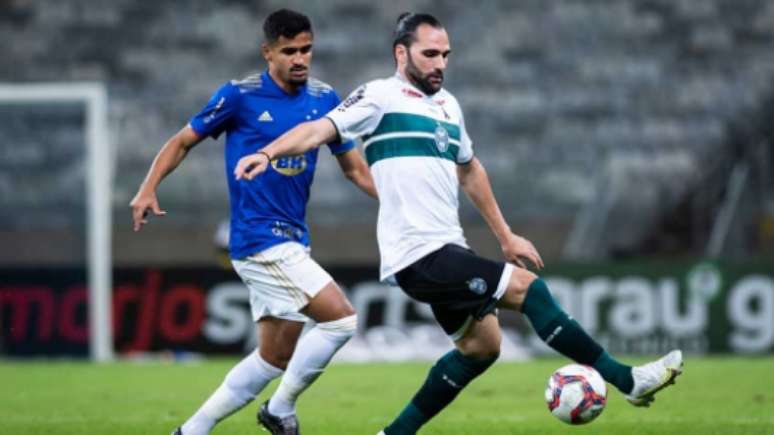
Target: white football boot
column 652, row 377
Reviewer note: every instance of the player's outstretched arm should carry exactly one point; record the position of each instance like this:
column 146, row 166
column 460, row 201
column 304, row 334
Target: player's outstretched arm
column 297, row 140
column 475, row 183
column 171, row 154
column 356, row 170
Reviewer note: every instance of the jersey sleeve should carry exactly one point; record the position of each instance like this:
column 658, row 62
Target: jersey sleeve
column 340, row 145
column 465, row 155
column 359, row 114
column 218, row 113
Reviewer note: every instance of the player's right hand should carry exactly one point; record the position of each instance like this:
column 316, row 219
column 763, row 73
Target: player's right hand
column 251, row 166
column 140, row 205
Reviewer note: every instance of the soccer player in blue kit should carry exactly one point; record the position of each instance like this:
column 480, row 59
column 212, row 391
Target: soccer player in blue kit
column 269, row 239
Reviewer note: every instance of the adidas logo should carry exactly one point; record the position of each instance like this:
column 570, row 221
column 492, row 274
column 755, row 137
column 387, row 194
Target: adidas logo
column 265, row 117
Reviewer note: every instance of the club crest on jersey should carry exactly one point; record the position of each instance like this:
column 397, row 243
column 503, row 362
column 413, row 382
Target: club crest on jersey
column 290, row 166
column 441, row 138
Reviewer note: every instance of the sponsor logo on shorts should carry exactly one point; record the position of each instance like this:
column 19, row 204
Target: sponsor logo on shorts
column 477, row 286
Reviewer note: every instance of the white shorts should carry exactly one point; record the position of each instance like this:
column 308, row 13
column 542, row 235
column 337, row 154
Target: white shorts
column 281, row 279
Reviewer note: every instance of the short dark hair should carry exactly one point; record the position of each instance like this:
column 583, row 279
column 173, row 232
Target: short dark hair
column 287, row 23
column 406, row 28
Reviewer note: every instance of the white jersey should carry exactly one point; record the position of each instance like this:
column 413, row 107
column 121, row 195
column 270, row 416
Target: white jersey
column 413, row 144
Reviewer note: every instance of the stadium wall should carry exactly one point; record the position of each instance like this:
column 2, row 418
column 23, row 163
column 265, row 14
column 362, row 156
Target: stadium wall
column 632, row 308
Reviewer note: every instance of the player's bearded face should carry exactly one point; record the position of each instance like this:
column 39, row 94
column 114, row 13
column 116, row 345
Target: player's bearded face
column 290, row 58
column 429, row 83
column 426, row 59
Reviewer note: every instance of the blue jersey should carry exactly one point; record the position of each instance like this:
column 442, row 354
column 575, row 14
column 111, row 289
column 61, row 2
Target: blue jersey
column 271, row 208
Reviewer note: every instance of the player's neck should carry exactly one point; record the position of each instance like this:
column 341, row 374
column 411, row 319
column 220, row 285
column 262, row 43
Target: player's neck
column 403, row 76
column 289, row 88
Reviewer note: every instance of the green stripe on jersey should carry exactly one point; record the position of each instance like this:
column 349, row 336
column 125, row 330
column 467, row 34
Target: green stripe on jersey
column 396, row 122
column 408, row 147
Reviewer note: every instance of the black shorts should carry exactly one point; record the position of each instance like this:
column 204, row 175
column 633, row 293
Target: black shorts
column 458, row 285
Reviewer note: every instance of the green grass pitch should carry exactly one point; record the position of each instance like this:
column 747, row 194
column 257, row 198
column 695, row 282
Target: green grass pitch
column 713, row 396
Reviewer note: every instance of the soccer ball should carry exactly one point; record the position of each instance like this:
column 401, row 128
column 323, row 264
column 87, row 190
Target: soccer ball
column 576, row 394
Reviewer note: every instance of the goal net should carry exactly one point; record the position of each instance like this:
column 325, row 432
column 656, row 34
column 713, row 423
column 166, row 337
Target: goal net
column 56, row 168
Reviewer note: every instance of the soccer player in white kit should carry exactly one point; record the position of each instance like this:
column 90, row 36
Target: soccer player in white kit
column 415, row 142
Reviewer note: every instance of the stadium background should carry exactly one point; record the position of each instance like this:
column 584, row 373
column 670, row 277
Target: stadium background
column 629, row 140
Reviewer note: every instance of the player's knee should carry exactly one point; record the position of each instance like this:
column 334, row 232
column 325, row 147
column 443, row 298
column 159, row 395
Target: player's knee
column 518, row 285
column 330, row 304
column 486, row 352
column 279, row 357
column 283, row 359
column 343, row 328
column 521, row 280
column 480, row 347
column 280, row 352
column 346, row 310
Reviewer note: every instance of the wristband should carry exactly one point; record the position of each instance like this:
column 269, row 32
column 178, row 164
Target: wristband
column 268, row 157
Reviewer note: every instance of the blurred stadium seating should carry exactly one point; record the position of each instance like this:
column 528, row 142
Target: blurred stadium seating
column 622, row 112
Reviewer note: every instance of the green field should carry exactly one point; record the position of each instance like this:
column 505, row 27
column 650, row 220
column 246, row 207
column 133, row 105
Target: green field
column 714, row 396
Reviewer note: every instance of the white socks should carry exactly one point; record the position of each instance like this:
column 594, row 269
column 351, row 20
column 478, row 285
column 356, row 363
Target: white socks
column 312, row 354
column 252, row 374
column 242, row 384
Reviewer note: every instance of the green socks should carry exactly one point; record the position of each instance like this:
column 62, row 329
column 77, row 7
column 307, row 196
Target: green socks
column 454, row 370
column 614, row 372
column 408, row 422
column 566, row 336
column 446, row 379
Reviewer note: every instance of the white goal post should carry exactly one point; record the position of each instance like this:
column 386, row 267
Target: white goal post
column 99, row 182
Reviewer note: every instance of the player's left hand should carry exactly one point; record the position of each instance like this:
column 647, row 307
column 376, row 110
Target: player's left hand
column 251, row 166
column 516, row 249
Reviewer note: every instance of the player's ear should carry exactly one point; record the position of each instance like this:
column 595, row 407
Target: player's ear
column 266, row 51
column 400, row 54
